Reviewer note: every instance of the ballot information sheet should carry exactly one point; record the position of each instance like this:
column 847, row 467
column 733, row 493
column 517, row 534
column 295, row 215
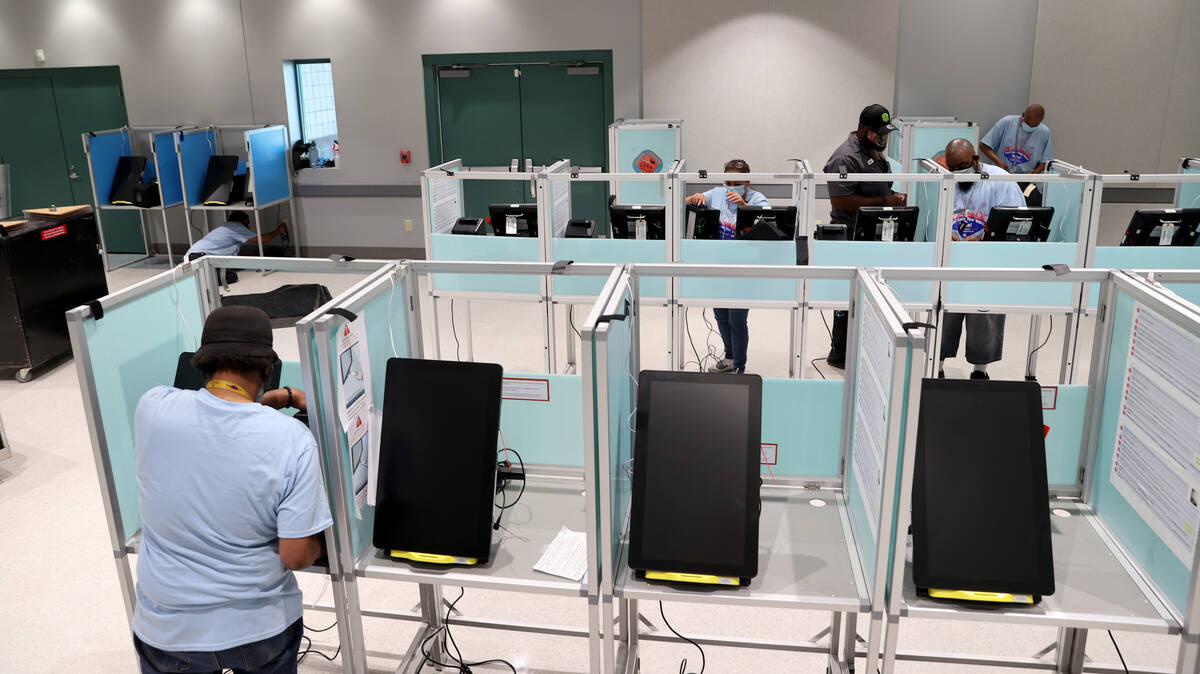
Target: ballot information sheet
column 870, row 409
column 562, row 206
column 443, row 204
column 566, row 556
column 355, row 403
column 1156, row 457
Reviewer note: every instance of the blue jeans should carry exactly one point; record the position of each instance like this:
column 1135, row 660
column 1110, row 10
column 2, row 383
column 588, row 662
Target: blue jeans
column 273, row 655
column 985, row 336
column 735, row 333
column 230, row 275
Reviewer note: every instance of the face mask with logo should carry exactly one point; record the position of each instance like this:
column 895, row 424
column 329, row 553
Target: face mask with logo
column 740, row 190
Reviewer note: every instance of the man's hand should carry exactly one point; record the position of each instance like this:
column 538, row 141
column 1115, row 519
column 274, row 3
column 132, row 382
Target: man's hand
column 696, row 200
column 954, row 235
column 278, row 399
column 735, row 198
column 977, row 236
column 895, row 199
column 281, row 229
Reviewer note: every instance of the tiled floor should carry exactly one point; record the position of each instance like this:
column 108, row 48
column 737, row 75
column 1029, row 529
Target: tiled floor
column 62, row 611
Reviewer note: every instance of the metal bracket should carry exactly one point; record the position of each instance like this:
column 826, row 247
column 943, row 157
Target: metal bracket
column 1133, row 177
column 561, row 266
column 1058, row 269
column 703, row 174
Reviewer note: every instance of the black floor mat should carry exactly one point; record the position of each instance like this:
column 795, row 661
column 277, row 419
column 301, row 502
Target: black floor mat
column 284, row 305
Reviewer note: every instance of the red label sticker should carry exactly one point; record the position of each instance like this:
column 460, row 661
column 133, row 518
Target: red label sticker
column 535, row 390
column 52, row 232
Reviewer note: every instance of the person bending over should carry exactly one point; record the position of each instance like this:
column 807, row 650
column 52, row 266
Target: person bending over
column 228, row 238
column 1024, row 144
column 973, row 203
column 232, row 501
column 862, row 152
column 732, row 323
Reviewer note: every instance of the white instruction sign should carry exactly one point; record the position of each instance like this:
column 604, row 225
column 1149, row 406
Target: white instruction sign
column 870, row 409
column 443, row 204
column 535, row 390
column 353, row 372
column 1156, row 458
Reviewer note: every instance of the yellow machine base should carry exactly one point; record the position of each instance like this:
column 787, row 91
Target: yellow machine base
column 704, row 579
column 995, row 597
column 429, row 558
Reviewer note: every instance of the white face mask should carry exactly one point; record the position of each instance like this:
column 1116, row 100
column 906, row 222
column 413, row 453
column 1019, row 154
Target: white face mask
column 1025, row 127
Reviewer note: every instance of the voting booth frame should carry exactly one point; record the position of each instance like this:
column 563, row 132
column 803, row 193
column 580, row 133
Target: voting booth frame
column 838, row 459
column 180, row 157
column 1074, row 243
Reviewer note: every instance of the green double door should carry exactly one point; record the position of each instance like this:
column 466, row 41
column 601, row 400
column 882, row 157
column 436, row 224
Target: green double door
column 488, row 115
column 42, row 121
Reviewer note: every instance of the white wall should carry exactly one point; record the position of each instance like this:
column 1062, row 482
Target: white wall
column 941, row 69
column 185, row 61
column 766, row 80
column 1120, row 81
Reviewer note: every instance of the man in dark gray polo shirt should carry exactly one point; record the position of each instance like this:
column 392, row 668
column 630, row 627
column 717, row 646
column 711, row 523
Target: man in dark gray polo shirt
column 862, row 152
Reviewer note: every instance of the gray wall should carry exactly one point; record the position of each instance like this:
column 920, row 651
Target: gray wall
column 967, row 58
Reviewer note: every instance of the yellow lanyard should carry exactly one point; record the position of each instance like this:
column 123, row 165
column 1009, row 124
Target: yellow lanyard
column 229, row 386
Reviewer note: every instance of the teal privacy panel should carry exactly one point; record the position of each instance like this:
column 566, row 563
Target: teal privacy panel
column 487, row 249
column 1149, row 257
column 620, row 433
column 802, row 418
column 134, row 348
column 1171, row 575
column 1066, row 433
column 1001, row 254
column 194, row 151
column 1189, row 193
column 930, row 142
column 616, row 251
column 550, row 431
column 738, row 252
column 644, row 151
column 926, row 195
column 167, row 164
column 1065, row 198
column 874, row 254
column 290, row 375
column 268, row 155
column 381, row 312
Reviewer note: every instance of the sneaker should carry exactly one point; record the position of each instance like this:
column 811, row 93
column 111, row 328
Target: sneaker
column 976, row 374
column 941, row 374
column 836, row 359
column 723, row 365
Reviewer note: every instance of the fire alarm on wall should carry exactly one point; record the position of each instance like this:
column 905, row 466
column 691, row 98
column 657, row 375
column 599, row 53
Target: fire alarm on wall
column 405, row 157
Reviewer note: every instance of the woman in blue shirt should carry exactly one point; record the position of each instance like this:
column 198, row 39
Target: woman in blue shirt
column 735, row 332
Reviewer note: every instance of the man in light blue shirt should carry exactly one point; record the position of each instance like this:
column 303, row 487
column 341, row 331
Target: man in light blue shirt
column 727, row 198
column 232, row 501
column 973, row 203
column 1020, row 143
column 228, row 238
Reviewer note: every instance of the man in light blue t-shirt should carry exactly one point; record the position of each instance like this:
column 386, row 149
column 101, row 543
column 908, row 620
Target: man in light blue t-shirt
column 232, row 501
column 1021, row 144
column 228, row 238
column 973, row 203
column 727, row 198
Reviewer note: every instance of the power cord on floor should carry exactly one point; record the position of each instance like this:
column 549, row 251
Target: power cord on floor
column 454, row 331
column 456, row 660
column 571, row 322
column 813, row 362
column 712, row 352
column 1029, row 358
column 1122, row 657
column 683, row 664
column 309, row 649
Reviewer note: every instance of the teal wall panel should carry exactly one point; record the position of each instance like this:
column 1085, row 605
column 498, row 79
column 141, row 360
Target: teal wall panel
column 486, row 249
column 546, row 433
column 631, row 143
column 1011, row 254
column 804, row 418
column 615, row 251
column 738, row 252
column 873, row 254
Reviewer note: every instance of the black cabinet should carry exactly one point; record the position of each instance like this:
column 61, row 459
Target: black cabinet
column 46, row 269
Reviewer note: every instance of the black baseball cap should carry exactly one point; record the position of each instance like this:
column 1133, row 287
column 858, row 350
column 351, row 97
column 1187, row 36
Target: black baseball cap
column 877, row 118
column 237, row 331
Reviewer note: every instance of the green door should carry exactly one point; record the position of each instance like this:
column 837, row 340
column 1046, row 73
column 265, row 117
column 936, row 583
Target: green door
column 563, row 117
column 91, row 99
column 32, row 144
column 480, row 118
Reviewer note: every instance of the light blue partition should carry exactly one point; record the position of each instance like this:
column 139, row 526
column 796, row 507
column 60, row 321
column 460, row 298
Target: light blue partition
column 268, row 153
column 999, row 254
column 106, row 150
column 1066, row 199
column 167, row 167
column 132, row 349
column 613, row 251
column 619, row 383
column 738, row 252
column 1066, row 434
column 874, row 254
column 1149, row 257
column 546, row 433
column 1189, row 193
column 803, row 419
column 926, row 195
column 380, row 341
column 486, row 249
column 929, row 142
column 631, row 144
column 194, row 150
column 1170, row 574
column 290, row 375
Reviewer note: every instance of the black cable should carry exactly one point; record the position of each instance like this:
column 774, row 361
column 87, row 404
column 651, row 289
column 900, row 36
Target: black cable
column 827, row 328
column 571, row 322
column 1029, row 358
column 309, row 649
column 1122, row 657
column 813, row 362
column 462, row 666
column 688, row 329
column 683, row 665
column 521, row 493
column 313, row 629
column 454, row 331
